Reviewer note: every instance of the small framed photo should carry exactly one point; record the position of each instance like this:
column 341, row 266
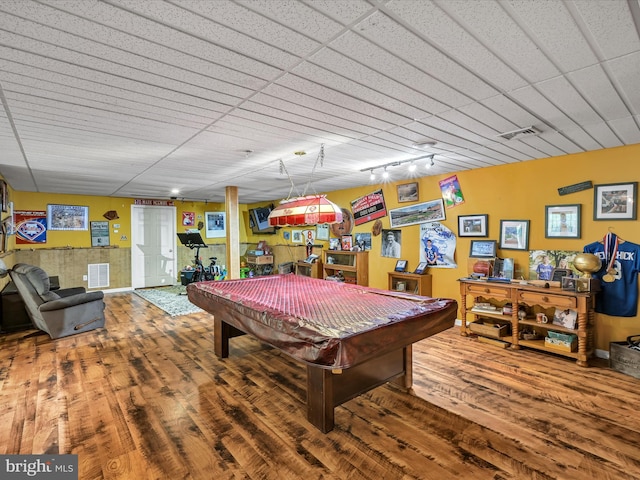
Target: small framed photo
column 615, row 201
column 408, row 192
column 483, row 249
column 569, row 283
column 514, row 234
column 215, row 225
column 562, row 221
column 401, row 266
column 472, row 226
column 421, row 268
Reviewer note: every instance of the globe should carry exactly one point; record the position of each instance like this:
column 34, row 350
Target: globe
column 587, row 263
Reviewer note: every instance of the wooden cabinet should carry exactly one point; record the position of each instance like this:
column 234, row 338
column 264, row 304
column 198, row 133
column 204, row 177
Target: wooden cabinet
column 353, row 266
column 533, row 300
column 313, row 270
column 410, row 283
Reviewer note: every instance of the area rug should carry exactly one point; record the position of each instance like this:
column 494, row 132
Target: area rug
column 172, row 300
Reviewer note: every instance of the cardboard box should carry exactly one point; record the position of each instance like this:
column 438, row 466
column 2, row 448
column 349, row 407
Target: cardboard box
column 493, row 330
column 624, row 359
column 260, row 260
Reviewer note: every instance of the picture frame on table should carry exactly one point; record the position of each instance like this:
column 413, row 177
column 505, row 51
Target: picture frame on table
column 401, row 266
column 483, row 249
column 615, row 201
column 562, row 221
column 473, row 225
column 421, row 268
column 514, row 234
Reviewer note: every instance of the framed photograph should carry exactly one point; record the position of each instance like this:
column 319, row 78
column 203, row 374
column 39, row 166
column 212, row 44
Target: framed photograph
column 569, row 283
column 483, row 249
column 4, row 196
column 296, row 236
column 215, row 225
column 408, row 192
column 99, row 234
column 473, row 226
column 322, row 231
column 346, row 242
column 566, row 318
column 615, row 201
column 421, row 268
column 67, row 217
column 514, row 234
column 401, row 266
column 562, row 221
column 419, row 213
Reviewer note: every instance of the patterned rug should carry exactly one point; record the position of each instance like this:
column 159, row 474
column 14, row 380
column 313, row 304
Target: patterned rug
column 172, row 300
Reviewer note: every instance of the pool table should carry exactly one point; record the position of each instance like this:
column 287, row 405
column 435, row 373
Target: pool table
column 351, row 338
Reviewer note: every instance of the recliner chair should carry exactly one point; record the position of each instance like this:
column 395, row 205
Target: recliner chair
column 60, row 313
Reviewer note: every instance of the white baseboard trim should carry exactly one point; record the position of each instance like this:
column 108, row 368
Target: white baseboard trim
column 597, row 353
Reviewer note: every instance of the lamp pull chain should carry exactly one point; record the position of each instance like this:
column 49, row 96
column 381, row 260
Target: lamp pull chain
column 320, row 160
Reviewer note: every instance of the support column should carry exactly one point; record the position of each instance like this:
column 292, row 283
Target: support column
column 232, row 209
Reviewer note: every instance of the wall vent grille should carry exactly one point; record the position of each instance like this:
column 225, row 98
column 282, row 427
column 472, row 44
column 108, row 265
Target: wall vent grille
column 522, row 132
column 98, row 275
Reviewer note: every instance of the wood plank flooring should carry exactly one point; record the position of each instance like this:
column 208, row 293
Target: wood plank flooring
column 146, row 398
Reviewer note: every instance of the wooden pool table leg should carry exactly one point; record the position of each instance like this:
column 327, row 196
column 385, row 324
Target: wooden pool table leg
column 320, row 398
column 220, row 338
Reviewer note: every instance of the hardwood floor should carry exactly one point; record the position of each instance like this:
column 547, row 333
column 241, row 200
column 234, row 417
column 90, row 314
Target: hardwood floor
column 147, row 398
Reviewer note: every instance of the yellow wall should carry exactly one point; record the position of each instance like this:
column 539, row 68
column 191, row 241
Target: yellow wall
column 517, row 191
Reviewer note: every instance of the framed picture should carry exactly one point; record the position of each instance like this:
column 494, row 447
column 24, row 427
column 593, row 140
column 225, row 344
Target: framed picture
column 99, row 234
column 322, row 231
column 401, row 266
column 4, row 196
column 296, row 236
column 472, row 226
column 215, row 225
column 615, row 201
column 514, row 234
column 562, row 221
column 67, row 217
column 408, row 192
column 346, row 242
column 431, row 211
column 483, row 249
column 421, row 268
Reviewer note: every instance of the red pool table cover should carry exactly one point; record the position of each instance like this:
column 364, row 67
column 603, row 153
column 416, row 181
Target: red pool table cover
column 324, row 323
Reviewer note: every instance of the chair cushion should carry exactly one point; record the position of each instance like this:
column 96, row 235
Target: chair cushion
column 36, row 276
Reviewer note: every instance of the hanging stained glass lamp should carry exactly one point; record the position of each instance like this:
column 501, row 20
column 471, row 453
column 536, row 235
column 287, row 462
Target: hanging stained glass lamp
column 307, row 210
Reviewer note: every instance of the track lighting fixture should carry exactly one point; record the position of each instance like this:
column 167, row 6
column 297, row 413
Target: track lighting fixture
column 411, row 161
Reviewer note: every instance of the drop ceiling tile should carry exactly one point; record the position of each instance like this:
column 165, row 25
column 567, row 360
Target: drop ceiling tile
column 627, row 129
column 596, row 87
column 626, row 72
column 553, row 27
column 611, row 26
column 387, row 39
column 445, row 34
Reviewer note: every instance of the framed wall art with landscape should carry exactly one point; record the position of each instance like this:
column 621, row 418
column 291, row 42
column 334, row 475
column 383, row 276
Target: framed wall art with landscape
column 562, row 221
column 473, row 226
column 615, row 201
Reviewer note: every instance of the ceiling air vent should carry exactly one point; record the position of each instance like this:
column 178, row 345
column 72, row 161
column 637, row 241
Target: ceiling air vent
column 522, row 132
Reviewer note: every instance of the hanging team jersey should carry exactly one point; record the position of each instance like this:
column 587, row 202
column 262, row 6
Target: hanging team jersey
column 618, row 298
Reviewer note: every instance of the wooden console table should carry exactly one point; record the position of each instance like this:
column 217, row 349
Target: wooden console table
column 537, row 299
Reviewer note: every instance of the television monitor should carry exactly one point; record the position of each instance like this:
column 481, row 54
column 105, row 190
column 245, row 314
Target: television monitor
column 259, row 220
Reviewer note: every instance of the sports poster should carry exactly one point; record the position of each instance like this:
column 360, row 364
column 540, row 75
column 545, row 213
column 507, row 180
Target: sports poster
column 451, row 192
column 437, row 245
column 369, row 207
column 31, row 227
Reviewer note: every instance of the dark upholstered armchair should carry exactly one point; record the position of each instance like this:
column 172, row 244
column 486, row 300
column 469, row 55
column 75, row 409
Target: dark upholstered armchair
column 60, row 313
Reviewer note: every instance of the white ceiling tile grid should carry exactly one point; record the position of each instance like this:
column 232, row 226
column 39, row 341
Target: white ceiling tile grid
column 135, row 98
